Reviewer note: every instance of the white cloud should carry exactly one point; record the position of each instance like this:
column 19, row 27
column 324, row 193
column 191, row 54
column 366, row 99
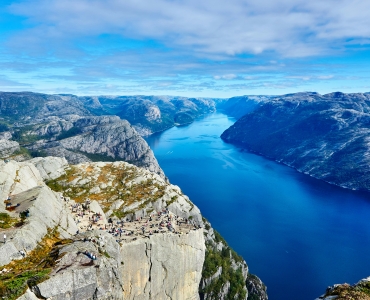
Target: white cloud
column 226, row 77
column 293, row 28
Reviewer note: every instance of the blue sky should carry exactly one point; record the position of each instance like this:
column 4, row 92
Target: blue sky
column 207, row 48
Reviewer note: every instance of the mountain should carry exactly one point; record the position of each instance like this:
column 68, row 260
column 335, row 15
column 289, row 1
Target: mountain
column 61, row 125
column 239, row 106
column 149, row 114
column 110, row 230
column 86, row 225
column 91, row 128
column 325, row 136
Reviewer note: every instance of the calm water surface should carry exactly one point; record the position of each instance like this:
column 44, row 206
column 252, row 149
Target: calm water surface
column 298, row 234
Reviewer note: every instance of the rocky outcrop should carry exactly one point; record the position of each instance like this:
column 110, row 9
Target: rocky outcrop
column 50, row 167
column 319, row 135
column 63, row 125
column 132, row 252
column 8, row 148
column 358, row 291
column 23, row 186
column 77, row 276
column 165, row 265
column 99, row 138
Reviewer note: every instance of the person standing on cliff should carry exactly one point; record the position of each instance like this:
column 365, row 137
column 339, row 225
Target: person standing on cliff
column 4, row 238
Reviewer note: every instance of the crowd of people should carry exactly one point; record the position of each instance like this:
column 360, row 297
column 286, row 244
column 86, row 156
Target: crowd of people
column 129, row 228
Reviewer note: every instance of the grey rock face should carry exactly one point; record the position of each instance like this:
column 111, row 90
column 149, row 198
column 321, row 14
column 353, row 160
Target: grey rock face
column 99, row 138
column 6, row 135
column 24, row 184
column 16, row 178
column 54, row 127
column 7, row 148
column 166, row 266
column 117, row 140
column 76, row 276
column 50, row 167
column 325, row 136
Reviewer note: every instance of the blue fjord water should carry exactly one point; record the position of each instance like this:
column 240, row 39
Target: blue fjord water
column 297, row 233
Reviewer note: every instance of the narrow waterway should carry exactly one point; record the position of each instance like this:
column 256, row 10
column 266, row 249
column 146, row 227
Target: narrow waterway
column 298, row 234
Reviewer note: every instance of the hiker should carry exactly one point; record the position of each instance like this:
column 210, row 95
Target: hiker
column 4, row 238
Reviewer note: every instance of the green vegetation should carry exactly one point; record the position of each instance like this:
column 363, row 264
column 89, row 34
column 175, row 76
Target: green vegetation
column 97, row 157
column 7, row 221
column 22, row 135
column 105, row 253
column 215, row 259
column 32, row 269
column 16, row 286
column 345, row 291
column 69, row 133
column 3, row 127
column 38, row 153
column 22, row 151
column 145, row 191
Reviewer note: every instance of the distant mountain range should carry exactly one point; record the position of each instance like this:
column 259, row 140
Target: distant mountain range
column 325, row 136
column 149, row 114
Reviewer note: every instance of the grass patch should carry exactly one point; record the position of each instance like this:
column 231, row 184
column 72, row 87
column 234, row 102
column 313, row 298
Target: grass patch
column 7, row 221
column 32, row 269
column 23, row 136
column 69, row 133
column 22, row 151
column 97, row 157
column 360, row 291
column 145, row 191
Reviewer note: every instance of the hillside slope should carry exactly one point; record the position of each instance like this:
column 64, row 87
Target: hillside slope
column 325, row 136
column 62, row 125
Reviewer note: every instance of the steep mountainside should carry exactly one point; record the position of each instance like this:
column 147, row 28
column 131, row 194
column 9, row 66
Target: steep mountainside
column 239, row 106
column 61, row 125
column 109, row 231
column 325, row 136
column 149, row 114
column 31, row 108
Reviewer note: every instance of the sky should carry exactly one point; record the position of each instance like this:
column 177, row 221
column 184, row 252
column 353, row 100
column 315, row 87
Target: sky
column 208, row 48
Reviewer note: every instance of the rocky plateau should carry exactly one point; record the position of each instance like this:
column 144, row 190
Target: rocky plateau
column 109, row 230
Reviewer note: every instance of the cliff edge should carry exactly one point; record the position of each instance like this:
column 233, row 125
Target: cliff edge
column 109, row 230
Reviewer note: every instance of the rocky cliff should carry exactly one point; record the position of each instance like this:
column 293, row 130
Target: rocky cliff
column 109, row 230
column 60, row 125
column 358, row 291
column 319, row 135
column 103, row 137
